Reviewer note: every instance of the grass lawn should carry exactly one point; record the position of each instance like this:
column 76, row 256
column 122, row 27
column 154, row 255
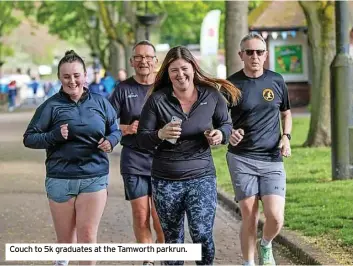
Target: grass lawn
column 315, row 205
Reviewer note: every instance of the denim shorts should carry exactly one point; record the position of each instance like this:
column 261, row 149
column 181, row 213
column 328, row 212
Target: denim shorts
column 137, row 186
column 62, row 190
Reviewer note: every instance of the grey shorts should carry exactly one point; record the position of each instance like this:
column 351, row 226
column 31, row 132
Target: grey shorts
column 253, row 177
column 62, row 190
column 137, row 186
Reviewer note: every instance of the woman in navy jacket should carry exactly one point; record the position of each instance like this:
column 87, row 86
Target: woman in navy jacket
column 77, row 128
column 184, row 115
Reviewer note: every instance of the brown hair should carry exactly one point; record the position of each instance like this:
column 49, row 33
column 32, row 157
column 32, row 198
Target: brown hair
column 70, row 57
column 200, row 78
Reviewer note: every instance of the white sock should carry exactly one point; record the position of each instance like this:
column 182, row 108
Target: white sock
column 61, row 263
column 249, row 263
column 266, row 243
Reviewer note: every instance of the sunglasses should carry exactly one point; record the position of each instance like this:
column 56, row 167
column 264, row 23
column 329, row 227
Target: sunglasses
column 251, row 52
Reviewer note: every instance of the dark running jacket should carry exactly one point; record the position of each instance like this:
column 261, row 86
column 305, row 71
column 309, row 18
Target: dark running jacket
column 89, row 120
column 191, row 156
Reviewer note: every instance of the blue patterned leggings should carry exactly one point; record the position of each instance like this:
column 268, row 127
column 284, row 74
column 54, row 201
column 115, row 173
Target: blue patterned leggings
column 198, row 199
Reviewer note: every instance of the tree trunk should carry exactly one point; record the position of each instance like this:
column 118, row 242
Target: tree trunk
column 321, row 35
column 236, row 26
column 116, row 57
column 122, row 57
column 121, row 33
column 128, row 54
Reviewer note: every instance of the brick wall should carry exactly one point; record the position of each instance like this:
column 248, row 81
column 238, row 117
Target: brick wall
column 299, row 93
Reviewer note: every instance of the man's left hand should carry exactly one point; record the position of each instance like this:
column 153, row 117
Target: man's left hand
column 284, row 145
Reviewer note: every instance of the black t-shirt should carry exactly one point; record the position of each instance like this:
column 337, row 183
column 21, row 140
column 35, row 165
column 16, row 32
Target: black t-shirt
column 258, row 114
column 128, row 98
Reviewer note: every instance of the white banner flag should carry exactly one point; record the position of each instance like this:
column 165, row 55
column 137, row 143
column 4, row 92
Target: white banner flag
column 209, row 42
column 210, row 33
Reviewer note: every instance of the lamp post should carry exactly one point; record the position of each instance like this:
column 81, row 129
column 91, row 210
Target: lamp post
column 341, row 98
column 147, row 20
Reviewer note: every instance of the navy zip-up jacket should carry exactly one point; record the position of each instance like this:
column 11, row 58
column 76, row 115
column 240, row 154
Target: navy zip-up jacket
column 89, row 120
column 191, row 156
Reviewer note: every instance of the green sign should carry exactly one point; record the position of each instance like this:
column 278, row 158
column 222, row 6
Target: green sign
column 289, row 59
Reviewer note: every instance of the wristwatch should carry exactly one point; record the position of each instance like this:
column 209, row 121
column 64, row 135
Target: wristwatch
column 287, row 135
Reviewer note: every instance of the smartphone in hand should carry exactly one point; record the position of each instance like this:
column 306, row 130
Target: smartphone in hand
column 174, row 119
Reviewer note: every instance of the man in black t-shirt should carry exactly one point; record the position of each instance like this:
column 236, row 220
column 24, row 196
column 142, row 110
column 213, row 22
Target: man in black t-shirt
column 256, row 148
column 135, row 165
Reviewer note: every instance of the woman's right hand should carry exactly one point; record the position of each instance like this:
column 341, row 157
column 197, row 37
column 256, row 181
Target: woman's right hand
column 172, row 130
column 64, row 129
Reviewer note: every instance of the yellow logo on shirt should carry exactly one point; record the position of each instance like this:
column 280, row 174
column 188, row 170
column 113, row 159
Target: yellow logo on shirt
column 268, row 94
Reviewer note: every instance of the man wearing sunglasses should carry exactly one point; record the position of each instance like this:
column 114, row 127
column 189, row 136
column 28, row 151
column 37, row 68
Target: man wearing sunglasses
column 135, row 163
column 256, row 148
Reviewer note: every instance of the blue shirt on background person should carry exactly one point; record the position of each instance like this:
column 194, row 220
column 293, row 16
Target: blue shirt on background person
column 109, row 82
column 98, row 88
column 55, row 88
column 34, row 85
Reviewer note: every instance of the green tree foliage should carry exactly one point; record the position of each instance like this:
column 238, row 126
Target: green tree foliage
column 254, row 4
column 183, row 23
column 72, row 20
column 10, row 19
column 184, row 20
column 99, row 23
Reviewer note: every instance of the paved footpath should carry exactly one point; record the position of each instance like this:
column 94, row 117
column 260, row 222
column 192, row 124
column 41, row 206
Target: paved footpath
column 24, row 212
